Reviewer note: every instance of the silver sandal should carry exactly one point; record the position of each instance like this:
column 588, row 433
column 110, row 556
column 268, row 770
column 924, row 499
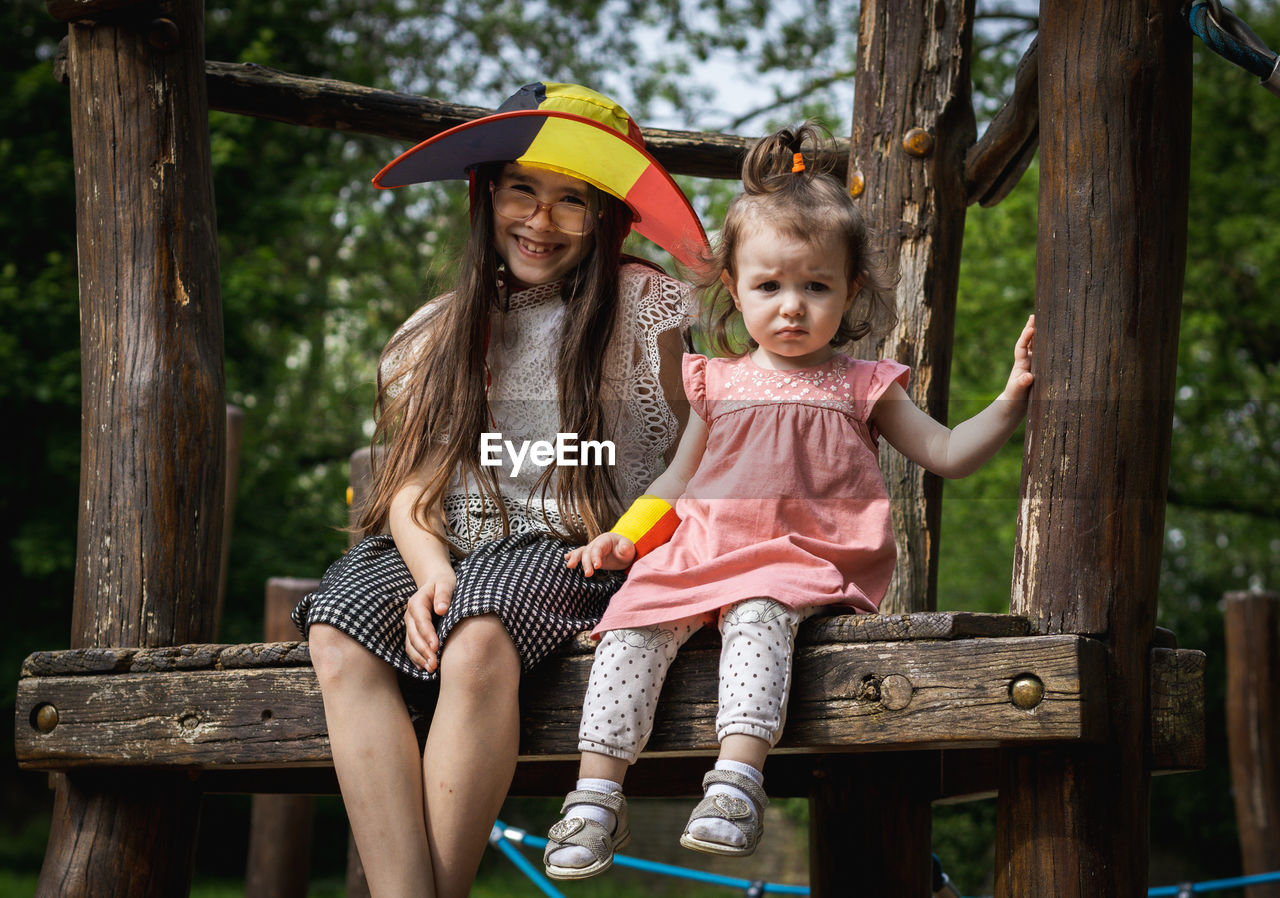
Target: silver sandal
column 588, row 834
column 731, row 808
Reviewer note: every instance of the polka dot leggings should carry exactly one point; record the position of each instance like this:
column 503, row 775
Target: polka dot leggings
column 758, row 636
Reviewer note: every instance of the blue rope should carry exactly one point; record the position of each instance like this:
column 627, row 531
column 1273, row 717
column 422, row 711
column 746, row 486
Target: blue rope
column 1215, row 885
column 1229, row 37
column 502, row 833
column 1212, row 885
column 621, row 860
column 498, row 839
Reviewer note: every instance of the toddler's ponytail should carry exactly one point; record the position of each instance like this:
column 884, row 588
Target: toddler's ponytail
column 786, row 160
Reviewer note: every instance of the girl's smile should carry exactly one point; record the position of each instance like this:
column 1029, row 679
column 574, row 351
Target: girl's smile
column 792, row 294
column 536, row 250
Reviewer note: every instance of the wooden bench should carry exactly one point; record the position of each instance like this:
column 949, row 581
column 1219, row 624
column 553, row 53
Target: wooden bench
column 250, row 717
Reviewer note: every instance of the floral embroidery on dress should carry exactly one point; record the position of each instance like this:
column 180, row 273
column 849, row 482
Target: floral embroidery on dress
column 823, row 386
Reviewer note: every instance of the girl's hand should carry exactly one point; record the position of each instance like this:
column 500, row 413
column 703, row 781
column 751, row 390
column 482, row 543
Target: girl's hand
column 1021, row 378
column 607, row 552
column 420, row 642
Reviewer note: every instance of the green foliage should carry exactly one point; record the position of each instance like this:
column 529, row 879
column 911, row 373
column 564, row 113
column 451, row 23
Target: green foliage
column 963, row 843
column 996, row 293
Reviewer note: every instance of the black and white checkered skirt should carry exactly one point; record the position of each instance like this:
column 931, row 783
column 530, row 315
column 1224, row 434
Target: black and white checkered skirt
column 521, row 578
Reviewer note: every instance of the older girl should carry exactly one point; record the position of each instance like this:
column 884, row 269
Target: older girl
column 461, row 576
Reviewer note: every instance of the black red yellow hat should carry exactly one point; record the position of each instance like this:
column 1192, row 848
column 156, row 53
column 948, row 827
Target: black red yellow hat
column 569, row 129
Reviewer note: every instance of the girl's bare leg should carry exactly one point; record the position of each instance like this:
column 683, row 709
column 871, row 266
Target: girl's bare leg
column 471, row 748
column 744, row 749
column 602, row 767
column 375, row 753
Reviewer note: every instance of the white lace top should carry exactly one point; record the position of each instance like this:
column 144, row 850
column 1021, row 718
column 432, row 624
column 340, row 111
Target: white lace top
column 523, row 344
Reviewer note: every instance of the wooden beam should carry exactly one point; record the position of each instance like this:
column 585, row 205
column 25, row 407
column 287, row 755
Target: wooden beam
column 249, row 89
column 854, row 697
column 327, row 103
column 1114, row 99
column 993, row 165
column 815, row 631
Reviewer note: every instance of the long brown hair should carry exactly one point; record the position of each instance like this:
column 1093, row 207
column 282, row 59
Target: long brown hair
column 807, row 205
column 431, row 411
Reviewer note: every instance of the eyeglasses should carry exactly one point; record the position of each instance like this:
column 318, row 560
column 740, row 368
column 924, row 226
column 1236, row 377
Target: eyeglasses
column 571, row 218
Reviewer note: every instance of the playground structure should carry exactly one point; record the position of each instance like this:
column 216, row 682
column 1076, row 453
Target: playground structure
column 1064, row 707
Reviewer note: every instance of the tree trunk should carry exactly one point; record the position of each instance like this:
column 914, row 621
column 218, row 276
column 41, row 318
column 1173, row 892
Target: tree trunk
column 912, row 125
column 153, row 408
column 1114, row 91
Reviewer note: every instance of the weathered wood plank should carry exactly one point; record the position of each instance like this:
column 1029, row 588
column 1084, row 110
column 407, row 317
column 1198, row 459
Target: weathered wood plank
column 858, row 696
column 846, row 697
column 920, row 625
column 76, row 662
column 833, row 629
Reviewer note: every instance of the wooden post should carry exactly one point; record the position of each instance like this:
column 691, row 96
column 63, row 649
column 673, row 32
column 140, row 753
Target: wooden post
column 912, row 125
column 1114, row 88
column 1253, row 734
column 875, row 810
column 153, row 408
column 279, row 863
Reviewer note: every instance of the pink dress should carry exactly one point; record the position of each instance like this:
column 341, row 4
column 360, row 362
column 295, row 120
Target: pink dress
column 788, row 501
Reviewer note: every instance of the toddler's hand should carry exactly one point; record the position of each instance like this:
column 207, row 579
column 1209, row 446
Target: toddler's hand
column 420, row 641
column 1021, row 378
column 607, row 552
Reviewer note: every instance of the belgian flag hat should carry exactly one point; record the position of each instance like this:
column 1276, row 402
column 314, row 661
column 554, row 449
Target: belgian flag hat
column 569, row 129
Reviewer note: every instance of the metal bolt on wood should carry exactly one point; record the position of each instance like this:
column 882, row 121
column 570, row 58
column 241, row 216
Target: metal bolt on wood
column 45, row 718
column 857, row 184
column 1026, row 691
column 163, row 34
column 917, row 142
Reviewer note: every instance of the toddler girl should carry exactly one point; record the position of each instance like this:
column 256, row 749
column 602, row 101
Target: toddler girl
column 780, row 509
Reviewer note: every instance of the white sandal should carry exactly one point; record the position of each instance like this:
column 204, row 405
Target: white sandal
column 731, row 808
column 583, row 833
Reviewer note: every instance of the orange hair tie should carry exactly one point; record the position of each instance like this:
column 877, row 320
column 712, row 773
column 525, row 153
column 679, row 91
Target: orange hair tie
column 797, row 163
